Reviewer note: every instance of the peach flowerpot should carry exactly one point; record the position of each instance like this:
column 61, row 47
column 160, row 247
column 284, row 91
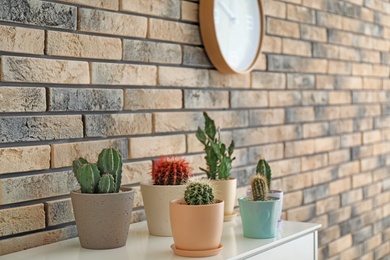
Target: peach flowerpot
column 103, row 220
column 226, row 191
column 156, row 202
column 196, row 227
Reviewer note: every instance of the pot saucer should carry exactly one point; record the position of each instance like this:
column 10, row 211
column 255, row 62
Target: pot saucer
column 230, row 217
column 196, row 253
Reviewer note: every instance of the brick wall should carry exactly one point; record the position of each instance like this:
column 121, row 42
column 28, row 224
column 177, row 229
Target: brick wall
column 78, row 76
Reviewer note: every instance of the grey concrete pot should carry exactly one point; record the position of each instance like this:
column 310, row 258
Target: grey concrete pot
column 103, row 220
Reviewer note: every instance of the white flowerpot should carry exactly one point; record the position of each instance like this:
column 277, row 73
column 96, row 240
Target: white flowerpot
column 156, row 202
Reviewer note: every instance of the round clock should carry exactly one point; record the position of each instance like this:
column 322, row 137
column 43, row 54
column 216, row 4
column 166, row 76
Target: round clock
column 232, row 33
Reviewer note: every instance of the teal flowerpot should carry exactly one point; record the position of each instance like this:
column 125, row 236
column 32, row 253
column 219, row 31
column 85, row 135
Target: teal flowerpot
column 259, row 218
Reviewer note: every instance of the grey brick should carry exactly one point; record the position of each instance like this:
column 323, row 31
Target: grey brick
column 314, row 193
column 300, row 81
column 145, row 51
column 323, row 50
column 38, row 128
column 385, row 57
column 350, row 225
column 59, row 212
column 195, row 56
column 38, row 13
column 343, row 8
column 72, row 99
column 283, row 63
column 362, row 235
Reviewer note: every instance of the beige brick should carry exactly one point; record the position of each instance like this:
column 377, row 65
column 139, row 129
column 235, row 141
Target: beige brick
column 285, row 167
column 39, row 186
column 339, row 186
column 314, row 162
column 261, row 62
column 268, row 80
column 380, row 70
column 269, row 152
column 371, row 56
column 104, row 4
column 369, row 163
column 350, row 54
column 326, row 144
column 217, row 79
column 117, row 124
column 20, row 243
column 58, row 212
column 266, row 117
column 300, row 14
column 323, row 175
column 163, row 8
column 23, row 40
column 21, row 219
column 22, row 99
column 311, row 130
column 91, row 20
column 359, row 180
column 183, row 77
column 135, row 172
column 295, row 47
column 340, row 245
column 314, row 65
column 361, row 69
column 340, row 156
column 371, row 137
column 339, row 67
column 297, row 182
column 123, row 74
column 22, row 69
column 177, row 121
column 303, row 213
column 174, row 31
column 156, row 145
column 189, row 11
column 145, row 51
column 327, row 205
column 242, row 99
column 62, row 155
column 373, row 242
column 229, row 119
column 292, row 199
column 314, row 98
column 313, row 33
column 284, row 98
column 339, row 97
column 329, row 20
column 275, row 8
column 325, row 82
column 272, row 44
column 21, row 159
column 349, row 140
column 372, row 83
column 199, row 98
column 283, row 28
column 84, row 46
column 312, row 4
column 298, row 148
column 144, row 99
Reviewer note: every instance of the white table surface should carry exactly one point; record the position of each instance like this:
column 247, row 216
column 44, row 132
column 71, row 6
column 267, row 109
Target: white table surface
column 140, row 245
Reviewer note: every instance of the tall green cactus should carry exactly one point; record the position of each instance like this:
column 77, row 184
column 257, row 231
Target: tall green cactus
column 264, row 169
column 103, row 177
column 199, row 192
column 259, row 188
column 218, row 158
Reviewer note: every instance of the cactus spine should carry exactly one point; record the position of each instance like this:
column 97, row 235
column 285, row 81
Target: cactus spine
column 218, row 158
column 199, row 192
column 103, row 177
column 259, row 188
column 264, row 169
column 170, row 171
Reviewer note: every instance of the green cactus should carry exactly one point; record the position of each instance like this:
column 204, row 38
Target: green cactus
column 259, row 188
column 88, row 176
column 218, row 158
column 199, row 192
column 103, row 177
column 110, row 161
column 264, row 169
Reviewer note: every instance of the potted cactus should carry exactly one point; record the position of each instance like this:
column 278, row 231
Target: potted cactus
column 219, row 164
column 197, row 220
column 169, row 175
column 264, row 169
column 259, row 213
column 102, row 208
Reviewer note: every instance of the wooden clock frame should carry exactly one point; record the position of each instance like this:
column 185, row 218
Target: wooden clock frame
column 210, row 41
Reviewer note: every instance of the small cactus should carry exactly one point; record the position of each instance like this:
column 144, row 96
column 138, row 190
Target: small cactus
column 264, row 169
column 218, row 158
column 259, row 188
column 199, row 192
column 170, row 171
column 103, row 177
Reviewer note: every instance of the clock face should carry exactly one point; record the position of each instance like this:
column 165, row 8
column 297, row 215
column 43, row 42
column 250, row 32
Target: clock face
column 238, row 31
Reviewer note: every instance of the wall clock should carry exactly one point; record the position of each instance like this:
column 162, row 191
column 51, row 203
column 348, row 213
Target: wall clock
column 232, row 33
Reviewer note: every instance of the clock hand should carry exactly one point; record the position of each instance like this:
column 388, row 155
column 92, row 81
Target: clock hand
column 227, row 10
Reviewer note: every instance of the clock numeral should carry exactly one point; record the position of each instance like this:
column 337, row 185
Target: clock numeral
column 249, row 23
column 216, row 16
